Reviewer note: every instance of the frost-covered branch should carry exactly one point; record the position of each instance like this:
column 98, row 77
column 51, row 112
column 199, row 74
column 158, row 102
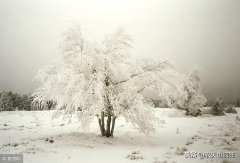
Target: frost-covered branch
column 158, row 68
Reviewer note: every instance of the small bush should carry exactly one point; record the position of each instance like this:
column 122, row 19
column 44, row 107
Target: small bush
column 230, row 109
column 193, row 112
column 217, row 110
column 135, row 155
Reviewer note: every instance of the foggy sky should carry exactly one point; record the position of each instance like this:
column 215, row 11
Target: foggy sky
column 187, row 33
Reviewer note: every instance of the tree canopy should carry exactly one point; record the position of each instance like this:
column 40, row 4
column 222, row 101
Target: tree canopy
column 105, row 80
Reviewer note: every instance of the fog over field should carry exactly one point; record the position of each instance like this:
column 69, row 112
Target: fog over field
column 123, row 81
column 187, row 33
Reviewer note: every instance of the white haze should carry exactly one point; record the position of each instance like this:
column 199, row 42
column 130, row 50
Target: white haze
column 187, row 33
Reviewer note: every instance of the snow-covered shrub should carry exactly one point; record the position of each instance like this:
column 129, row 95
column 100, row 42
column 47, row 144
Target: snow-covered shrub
column 230, row 109
column 135, row 155
column 217, row 109
column 180, row 151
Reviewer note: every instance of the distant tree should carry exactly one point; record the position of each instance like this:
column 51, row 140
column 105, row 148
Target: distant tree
column 192, row 98
column 13, row 101
column 103, row 81
column 238, row 103
column 16, row 100
column 6, row 101
column 25, row 103
column 217, row 109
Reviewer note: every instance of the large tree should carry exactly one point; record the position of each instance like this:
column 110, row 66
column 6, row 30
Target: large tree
column 103, row 80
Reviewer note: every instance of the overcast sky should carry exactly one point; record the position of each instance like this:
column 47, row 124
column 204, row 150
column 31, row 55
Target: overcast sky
column 187, row 33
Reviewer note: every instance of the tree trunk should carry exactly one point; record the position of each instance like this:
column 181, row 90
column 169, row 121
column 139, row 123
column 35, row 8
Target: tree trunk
column 107, row 108
column 108, row 134
column 103, row 131
column 113, row 125
column 109, row 126
column 100, row 126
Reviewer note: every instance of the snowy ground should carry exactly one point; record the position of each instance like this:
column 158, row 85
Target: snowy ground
column 44, row 141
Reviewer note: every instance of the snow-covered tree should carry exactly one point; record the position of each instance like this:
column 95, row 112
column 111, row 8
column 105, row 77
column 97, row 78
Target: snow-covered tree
column 103, row 80
column 193, row 99
column 179, row 91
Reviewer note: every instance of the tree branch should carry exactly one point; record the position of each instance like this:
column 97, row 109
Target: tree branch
column 159, row 67
column 148, row 85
